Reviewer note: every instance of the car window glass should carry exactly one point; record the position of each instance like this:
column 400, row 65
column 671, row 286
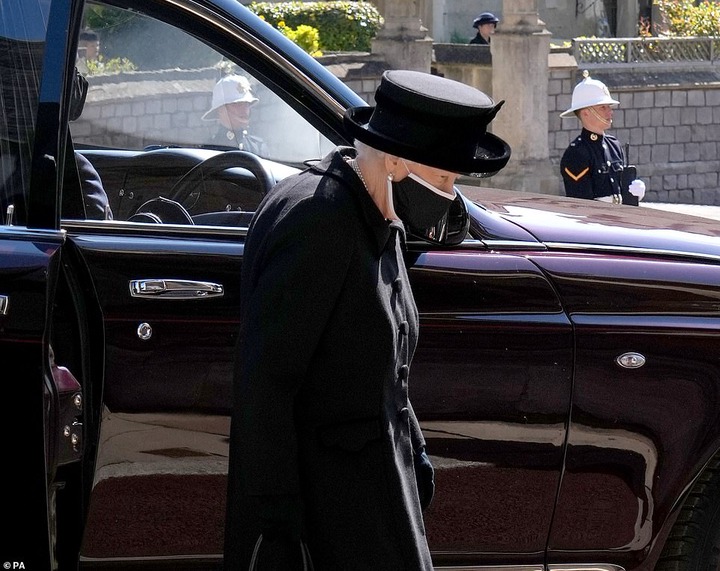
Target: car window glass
column 22, row 40
column 151, row 114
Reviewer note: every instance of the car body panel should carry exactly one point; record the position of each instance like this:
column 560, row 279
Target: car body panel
column 491, row 383
column 582, row 224
column 29, row 273
column 648, row 441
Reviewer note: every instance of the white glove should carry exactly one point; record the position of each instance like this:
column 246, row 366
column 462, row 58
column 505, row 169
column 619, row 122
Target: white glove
column 637, row 188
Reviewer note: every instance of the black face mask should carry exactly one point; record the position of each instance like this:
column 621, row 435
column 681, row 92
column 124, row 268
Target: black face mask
column 419, row 204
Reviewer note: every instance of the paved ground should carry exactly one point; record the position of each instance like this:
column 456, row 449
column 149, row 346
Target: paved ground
column 692, row 209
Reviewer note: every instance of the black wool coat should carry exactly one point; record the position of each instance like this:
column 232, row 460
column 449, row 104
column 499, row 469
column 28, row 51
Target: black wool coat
column 321, row 391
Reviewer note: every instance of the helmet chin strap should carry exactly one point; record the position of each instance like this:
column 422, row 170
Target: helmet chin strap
column 606, row 122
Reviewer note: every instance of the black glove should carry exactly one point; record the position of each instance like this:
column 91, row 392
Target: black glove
column 425, row 477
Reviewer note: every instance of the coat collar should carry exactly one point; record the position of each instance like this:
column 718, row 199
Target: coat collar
column 594, row 138
column 335, row 165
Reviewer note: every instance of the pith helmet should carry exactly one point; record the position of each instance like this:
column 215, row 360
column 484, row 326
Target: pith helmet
column 230, row 89
column 485, row 18
column 587, row 93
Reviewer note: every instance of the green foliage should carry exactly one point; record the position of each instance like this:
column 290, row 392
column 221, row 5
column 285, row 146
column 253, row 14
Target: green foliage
column 343, row 26
column 115, row 65
column 307, row 37
column 684, row 18
column 105, row 18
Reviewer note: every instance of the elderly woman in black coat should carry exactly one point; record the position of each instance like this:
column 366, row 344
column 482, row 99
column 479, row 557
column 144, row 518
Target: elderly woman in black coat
column 327, row 460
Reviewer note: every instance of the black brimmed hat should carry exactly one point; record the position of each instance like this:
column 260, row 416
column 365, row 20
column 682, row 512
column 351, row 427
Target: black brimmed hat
column 485, row 18
column 433, row 121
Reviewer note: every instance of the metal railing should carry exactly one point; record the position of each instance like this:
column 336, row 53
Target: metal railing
column 646, row 50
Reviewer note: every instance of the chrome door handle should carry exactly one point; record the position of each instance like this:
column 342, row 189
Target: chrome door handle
column 4, row 303
column 174, row 289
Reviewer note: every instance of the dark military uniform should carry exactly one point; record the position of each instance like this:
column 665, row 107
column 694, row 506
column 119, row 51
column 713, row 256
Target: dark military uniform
column 239, row 140
column 592, row 167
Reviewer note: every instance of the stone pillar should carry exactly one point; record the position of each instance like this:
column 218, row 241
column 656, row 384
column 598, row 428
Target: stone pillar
column 627, row 19
column 520, row 48
column 403, row 41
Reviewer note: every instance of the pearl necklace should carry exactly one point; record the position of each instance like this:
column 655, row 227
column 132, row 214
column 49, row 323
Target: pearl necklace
column 353, row 164
column 356, row 168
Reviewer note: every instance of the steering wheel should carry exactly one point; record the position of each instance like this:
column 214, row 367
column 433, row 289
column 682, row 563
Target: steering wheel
column 162, row 210
column 215, row 164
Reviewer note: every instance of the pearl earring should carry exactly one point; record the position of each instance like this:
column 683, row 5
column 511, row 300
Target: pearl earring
column 390, row 176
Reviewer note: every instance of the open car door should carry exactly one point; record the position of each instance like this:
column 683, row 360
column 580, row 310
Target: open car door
column 45, row 311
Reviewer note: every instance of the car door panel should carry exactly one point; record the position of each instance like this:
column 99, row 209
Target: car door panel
column 166, row 422
column 491, row 385
column 167, row 351
column 167, row 391
column 641, row 427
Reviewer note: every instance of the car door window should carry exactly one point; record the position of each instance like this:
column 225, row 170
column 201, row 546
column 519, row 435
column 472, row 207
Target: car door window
column 154, row 110
column 22, row 39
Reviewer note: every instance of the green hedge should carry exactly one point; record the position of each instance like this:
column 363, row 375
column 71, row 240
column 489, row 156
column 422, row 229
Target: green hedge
column 343, row 26
column 689, row 18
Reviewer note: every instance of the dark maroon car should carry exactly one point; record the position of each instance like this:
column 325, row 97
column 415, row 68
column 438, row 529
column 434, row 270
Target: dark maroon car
column 568, row 373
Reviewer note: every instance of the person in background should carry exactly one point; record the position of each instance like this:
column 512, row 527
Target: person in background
column 89, row 41
column 485, row 24
column 88, row 50
column 14, row 151
column 97, row 205
column 327, row 458
column 232, row 99
column 594, row 164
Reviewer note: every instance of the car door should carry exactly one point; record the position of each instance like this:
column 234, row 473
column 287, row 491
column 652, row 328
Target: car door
column 644, row 417
column 491, row 384
column 37, row 302
column 168, row 293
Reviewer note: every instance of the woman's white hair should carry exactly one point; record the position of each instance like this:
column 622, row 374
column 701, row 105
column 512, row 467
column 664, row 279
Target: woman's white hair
column 365, row 150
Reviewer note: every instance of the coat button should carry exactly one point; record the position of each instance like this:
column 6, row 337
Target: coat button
column 404, row 328
column 397, row 285
column 404, row 414
column 403, row 373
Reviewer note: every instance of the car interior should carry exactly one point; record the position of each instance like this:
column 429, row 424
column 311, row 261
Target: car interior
column 142, row 126
column 144, row 129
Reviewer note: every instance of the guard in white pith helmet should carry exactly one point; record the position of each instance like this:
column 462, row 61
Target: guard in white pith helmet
column 594, row 165
column 232, row 99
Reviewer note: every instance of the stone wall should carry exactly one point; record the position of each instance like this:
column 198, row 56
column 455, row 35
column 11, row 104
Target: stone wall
column 136, row 109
